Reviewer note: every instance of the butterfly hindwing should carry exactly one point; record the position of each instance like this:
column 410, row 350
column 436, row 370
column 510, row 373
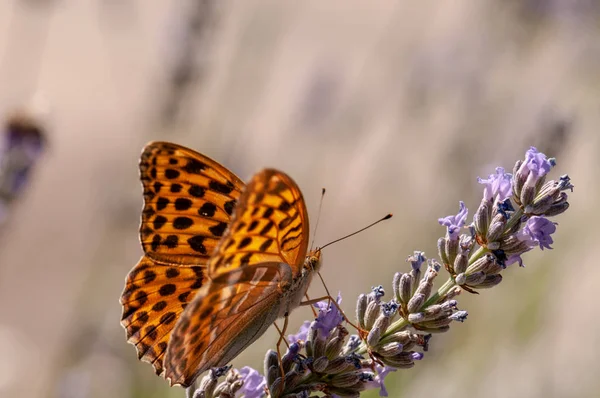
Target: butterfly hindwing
column 153, row 299
column 188, row 202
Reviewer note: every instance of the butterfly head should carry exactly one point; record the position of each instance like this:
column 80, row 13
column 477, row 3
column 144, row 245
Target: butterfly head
column 313, row 260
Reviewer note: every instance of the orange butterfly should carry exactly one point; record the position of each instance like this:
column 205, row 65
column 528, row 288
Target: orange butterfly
column 222, row 261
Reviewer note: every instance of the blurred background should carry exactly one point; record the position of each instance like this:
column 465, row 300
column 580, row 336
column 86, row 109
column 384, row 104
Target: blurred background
column 393, row 106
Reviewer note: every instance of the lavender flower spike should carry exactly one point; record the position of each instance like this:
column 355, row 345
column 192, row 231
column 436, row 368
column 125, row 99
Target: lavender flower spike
column 537, row 231
column 455, row 223
column 324, row 360
column 498, row 186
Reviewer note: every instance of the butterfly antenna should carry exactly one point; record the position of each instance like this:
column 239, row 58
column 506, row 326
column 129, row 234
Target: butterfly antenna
column 318, row 218
column 387, row 217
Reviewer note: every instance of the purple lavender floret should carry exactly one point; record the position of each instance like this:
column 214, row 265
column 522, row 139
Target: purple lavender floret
column 378, row 381
column 535, row 163
column 498, row 186
column 302, row 333
column 537, row 232
column 329, row 316
column 455, row 223
column 514, row 258
column 254, row 383
column 416, row 260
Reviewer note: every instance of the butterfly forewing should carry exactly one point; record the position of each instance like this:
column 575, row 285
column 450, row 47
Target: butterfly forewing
column 255, row 262
column 271, row 225
column 188, row 202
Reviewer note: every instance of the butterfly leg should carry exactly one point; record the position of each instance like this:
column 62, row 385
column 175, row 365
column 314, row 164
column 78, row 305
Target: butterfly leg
column 311, row 307
column 282, row 338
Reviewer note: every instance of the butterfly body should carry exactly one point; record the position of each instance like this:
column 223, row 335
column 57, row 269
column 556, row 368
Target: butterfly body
column 223, row 260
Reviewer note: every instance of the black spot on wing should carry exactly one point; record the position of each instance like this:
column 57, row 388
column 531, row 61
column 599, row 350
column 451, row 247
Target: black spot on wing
column 221, row 188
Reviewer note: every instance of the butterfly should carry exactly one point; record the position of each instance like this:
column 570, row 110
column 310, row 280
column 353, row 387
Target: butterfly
column 222, row 261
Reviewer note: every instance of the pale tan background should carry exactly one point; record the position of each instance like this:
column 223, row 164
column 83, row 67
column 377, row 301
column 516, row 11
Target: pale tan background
column 393, row 106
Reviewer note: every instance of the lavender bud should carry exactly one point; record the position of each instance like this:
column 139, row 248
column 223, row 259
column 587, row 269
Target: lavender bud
column 545, row 198
column 223, row 391
column 207, row 385
column 416, row 317
column 460, row 263
column 481, row 218
column 339, row 365
column 416, row 260
column 320, row 364
column 334, row 346
column 513, row 245
column 449, row 306
column 528, row 191
column 426, row 284
column 441, row 243
column 404, row 337
column 481, row 264
column 416, row 302
column 277, row 387
column 459, row 316
column 291, row 380
column 451, row 249
column 489, row 281
column 540, row 183
column 460, row 279
column 475, row 278
column 373, row 337
column 361, row 308
column 557, row 208
column 390, row 349
column 319, row 347
column 271, row 360
column 406, row 288
column 436, row 324
column 377, row 293
column 404, row 360
column 519, row 179
column 346, row 379
column 396, row 285
column 353, row 343
column 373, row 310
column 437, row 330
column 272, row 374
column 497, row 227
column 311, row 337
